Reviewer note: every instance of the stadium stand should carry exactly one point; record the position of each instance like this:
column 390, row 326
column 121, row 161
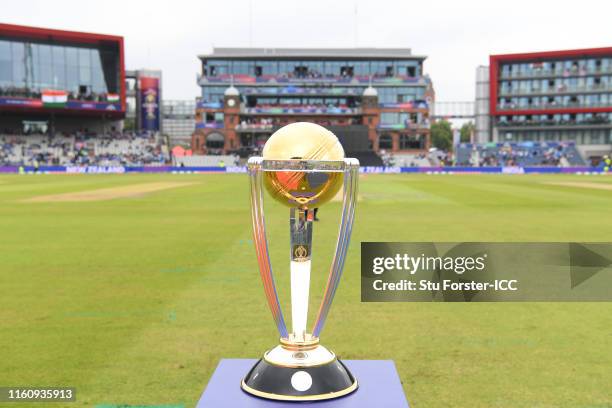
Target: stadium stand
column 22, row 92
column 406, row 160
column 112, row 149
column 206, row 161
column 519, row 154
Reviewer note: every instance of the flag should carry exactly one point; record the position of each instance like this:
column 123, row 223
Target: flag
column 112, row 97
column 54, row 99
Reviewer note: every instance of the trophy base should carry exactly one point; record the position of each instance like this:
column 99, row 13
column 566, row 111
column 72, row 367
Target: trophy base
column 328, row 381
column 289, row 373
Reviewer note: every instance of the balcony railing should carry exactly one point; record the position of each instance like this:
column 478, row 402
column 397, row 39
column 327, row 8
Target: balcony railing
column 547, row 73
column 404, row 106
column 332, row 79
column 418, row 104
column 270, row 126
column 291, row 90
column 254, row 127
column 543, row 106
column 559, row 90
column 402, row 126
column 556, row 124
column 300, row 110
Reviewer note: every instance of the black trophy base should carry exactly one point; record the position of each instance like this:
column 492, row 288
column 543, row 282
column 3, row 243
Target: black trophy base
column 327, row 381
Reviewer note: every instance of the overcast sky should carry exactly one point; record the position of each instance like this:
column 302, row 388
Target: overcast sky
column 456, row 35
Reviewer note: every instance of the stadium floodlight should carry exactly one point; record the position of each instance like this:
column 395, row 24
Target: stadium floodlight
column 303, row 167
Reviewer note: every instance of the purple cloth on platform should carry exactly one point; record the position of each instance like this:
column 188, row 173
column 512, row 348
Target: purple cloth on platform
column 379, row 386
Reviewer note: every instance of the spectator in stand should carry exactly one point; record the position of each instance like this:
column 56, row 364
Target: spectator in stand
column 82, row 148
column 519, row 154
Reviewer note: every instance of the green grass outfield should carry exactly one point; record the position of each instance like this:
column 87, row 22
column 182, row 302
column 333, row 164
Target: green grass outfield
column 135, row 300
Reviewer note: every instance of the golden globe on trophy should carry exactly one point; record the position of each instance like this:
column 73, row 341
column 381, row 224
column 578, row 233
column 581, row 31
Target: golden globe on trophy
column 303, row 166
